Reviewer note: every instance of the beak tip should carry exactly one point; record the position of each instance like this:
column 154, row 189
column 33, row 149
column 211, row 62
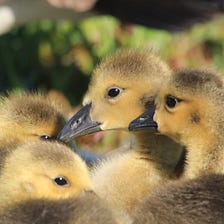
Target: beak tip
column 65, row 135
column 131, row 126
column 61, row 137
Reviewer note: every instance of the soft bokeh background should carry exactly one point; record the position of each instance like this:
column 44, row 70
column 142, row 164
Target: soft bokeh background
column 59, row 57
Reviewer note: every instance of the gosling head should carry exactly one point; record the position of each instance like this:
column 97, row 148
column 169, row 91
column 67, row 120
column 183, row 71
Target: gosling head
column 122, row 87
column 189, row 108
column 42, row 169
column 29, row 117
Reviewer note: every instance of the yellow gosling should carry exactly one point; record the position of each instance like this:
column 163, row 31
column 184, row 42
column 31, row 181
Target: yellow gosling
column 123, row 86
column 39, row 170
column 28, row 117
column 190, row 110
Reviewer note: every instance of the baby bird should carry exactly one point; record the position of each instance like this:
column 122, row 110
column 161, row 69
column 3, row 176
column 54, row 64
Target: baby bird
column 31, row 116
column 190, row 111
column 28, row 117
column 199, row 200
column 119, row 92
column 41, row 170
column 84, row 209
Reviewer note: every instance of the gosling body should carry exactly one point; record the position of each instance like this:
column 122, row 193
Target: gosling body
column 119, row 83
column 190, row 110
column 84, row 209
column 198, row 201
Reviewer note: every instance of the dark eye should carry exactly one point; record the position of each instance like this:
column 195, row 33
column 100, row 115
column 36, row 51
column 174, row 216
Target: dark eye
column 61, row 181
column 171, row 101
column 113, row 92
column 46, row 137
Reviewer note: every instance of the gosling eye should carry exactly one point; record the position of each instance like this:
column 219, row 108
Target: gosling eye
column 46, row 137
column 113, row 92
column 171, row 101
column 61, row 181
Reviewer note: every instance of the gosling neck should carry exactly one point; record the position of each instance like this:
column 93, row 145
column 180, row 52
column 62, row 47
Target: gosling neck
column 159, row 148
column 204, row 157
column 10, row 195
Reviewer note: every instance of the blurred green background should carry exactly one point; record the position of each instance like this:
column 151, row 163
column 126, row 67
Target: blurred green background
column 61, row 56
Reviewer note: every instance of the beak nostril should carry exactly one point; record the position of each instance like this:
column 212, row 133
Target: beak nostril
column 76, row 123
column 142, row 119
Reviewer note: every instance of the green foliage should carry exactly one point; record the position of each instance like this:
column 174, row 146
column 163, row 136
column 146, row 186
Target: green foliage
column 62, row 55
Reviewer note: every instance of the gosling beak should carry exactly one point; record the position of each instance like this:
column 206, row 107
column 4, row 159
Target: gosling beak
column 80, row 124
column 144, row 122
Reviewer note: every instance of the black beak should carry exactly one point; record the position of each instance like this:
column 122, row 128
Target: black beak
column 80, row 124
column 144, row 122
